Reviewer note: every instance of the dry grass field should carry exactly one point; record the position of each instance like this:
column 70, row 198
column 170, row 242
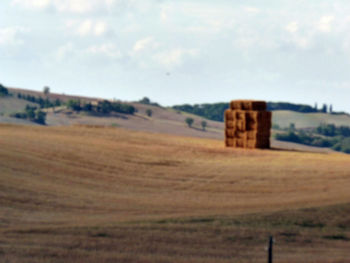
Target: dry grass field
column 93, row 194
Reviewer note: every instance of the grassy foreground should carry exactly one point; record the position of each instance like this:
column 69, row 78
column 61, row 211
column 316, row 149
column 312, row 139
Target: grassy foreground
column 85, row 194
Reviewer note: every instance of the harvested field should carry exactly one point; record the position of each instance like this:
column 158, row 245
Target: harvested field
column 87, row 194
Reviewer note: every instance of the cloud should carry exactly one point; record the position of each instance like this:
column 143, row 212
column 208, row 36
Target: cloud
column 292, row 27
column 64, row 52
column 325, row 24
column 12, row 35
column 72, row 6
column 145, row 43
column 108, row 50
column 88, row 27
column 32, row 4
column 175, row 57
column 252, row 10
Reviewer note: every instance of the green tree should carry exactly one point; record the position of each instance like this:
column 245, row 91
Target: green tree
column 40, row 117
column 3, row 91
column 324, row 108
column 292, row 127
column 189, row 121
column 145, row 100
column 149, row 112
column 74, row 105
column 30, row 112
column 46, row 90
column 204, row 125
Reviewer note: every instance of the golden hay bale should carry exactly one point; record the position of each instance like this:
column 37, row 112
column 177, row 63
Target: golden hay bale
column 230, row 133
column 258, row 134
column 239, row 114
column 241, row 125
column 229, row 142
column 229, row 115
column 240, row 135
column 248, row 105
column 230, row 124
column 239, row 143
column 236, row 105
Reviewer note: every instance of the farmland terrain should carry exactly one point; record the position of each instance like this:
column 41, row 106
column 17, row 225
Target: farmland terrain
column 163, row 120
column 90, row 193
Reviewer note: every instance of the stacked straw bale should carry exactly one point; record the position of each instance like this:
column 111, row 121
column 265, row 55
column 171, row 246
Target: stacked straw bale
column 247, row 124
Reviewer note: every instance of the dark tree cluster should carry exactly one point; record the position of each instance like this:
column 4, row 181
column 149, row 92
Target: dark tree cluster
column 209, row 111
column 147, row 101
column 332, row 130
column 272, row 106
column 43, row 103
column 33, row 114
column 326, row 135
column 104, row 107
column 215, row 111
column 3, row 91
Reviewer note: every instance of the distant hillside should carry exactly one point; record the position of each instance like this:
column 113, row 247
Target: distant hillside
column 11, row 104
column 149, row 117
column 310, row 120
column 215, row 111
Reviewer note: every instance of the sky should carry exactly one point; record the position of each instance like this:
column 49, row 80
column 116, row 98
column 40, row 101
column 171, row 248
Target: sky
column 183, row 51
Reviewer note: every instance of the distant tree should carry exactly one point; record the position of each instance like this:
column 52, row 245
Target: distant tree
column 3, row 91
column 87, row 107
column 316, row 106
column 324, row 108
column 105, row 106
column 46, row 90
column 30, row 112
column 57, row 102
column 40, row 117
column 189, row 121
column 204, row 125
column 19, row 95
column 292, row 127
column 331, row 109
column 74, row 105
column 145, row 100
column 149, row 112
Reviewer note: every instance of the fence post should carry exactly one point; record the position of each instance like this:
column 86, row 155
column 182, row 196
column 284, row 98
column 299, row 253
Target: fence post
column 270, row 249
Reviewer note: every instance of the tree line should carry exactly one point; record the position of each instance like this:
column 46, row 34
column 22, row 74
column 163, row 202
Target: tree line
column 31, row 113
column 43, row 103
column 103, row 107
column 215, row 111
column 3, row 91
column 325, row 135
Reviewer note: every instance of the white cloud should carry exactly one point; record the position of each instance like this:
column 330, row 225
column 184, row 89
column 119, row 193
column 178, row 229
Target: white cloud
column 88, row 27
column 72, row 6
column 33, row 4
column 292, row 27
column 325, row 24
column 64, row 51
column 84, row 28
column 145, row 43
column 175, row 57
column 252, row 10
column 11, row 35
column 108, row 50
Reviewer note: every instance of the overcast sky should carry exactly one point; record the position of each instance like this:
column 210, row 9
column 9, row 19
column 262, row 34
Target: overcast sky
column 180, row 51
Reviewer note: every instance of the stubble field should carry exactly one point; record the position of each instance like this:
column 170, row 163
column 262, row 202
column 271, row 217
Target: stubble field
column 92, row 194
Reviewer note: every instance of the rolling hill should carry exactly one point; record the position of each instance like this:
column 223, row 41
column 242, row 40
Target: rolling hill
column 84, row 193
column 163, row 120
column 308, row 120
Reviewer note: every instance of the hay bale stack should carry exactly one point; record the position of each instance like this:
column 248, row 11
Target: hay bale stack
column 247, row 124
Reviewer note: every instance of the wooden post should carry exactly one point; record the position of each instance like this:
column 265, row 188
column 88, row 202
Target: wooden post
column 270, row 250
